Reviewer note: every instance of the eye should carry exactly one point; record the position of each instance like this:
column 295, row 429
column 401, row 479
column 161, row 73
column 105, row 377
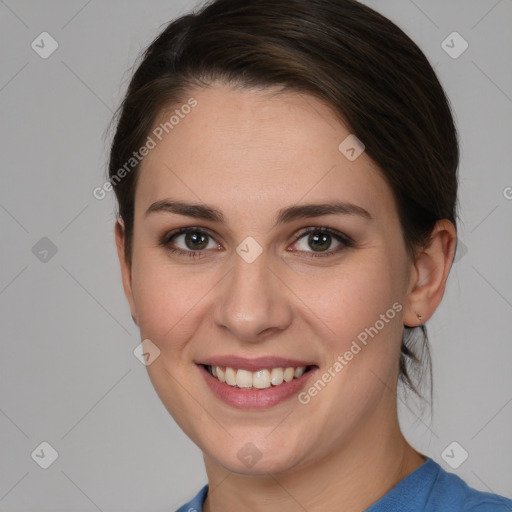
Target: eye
column 321, row 239
column 193, row 242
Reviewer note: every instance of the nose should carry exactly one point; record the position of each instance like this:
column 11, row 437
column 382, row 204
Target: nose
column 254, row 302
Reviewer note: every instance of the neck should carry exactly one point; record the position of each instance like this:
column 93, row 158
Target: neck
column 357, row 475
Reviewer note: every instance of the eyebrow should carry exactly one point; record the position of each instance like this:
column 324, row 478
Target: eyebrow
column 288, row 214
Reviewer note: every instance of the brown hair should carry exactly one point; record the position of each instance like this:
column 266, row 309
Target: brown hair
column 351, row 57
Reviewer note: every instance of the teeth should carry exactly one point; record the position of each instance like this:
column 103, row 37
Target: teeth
column 276, row 376
column 231, row 376
column 299, row 371
column 243, row 379
column 289, row 373
column 260, row 379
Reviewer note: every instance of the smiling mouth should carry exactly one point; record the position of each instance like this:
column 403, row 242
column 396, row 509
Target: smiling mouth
column 260, row 379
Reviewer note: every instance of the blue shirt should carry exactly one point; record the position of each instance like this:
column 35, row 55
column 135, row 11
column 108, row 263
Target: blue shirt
column 428, row 488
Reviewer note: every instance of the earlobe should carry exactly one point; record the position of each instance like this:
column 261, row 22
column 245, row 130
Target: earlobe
column 126, row 271
column 431, row 268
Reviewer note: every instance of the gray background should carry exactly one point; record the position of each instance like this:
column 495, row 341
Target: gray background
column 68, row 374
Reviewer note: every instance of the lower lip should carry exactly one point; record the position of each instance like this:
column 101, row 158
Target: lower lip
column 250, row 398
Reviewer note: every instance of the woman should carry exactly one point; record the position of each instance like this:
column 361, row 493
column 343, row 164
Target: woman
column 286, row 173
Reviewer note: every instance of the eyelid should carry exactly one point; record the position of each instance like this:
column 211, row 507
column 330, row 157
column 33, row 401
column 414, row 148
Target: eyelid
column 167, row 237
column 324, row 229
column 341, row 237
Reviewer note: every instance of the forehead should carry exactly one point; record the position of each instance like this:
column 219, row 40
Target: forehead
column 249, row 150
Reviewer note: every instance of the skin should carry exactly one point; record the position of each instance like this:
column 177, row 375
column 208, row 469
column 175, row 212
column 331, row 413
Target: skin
column 259, row 152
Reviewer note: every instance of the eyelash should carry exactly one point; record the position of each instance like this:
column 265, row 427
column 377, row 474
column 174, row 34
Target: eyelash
column 340, row 237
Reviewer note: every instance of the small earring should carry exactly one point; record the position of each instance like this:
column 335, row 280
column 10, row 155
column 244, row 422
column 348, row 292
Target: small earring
column 420, row 318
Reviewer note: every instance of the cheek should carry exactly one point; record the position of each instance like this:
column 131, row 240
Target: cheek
column 359, row 313
column 168, row 299
column 350, row 299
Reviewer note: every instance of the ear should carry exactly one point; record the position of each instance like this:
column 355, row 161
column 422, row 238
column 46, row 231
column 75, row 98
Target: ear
column 126, row 271
column 429, row 274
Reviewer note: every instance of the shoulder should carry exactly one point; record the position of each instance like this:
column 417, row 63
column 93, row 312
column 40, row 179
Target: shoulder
column 492, row 505
column 196, row 504
column 487, row 502
column 449, row 489
column 432, row 489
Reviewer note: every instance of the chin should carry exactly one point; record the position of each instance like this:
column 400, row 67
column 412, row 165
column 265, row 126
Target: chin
column 257, row 455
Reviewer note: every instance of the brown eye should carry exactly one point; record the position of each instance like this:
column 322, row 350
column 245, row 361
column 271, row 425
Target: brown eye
column 321, row 241
column 196, row 240
column 191, row 242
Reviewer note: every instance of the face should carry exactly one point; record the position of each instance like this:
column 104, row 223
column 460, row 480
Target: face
column 267, row 284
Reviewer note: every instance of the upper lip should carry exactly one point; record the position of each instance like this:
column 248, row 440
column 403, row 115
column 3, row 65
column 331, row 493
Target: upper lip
column 258, row 363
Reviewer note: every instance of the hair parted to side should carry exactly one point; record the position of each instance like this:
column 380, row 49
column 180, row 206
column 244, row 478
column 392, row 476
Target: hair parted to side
column 349, row 56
